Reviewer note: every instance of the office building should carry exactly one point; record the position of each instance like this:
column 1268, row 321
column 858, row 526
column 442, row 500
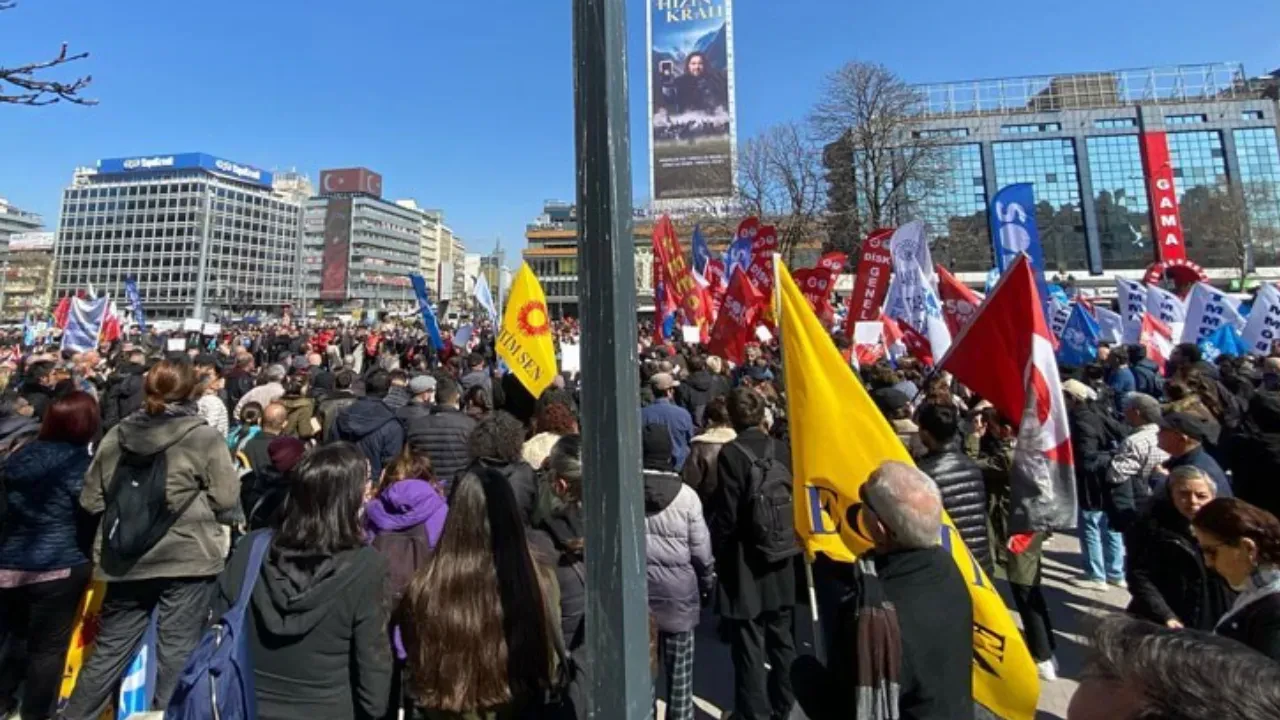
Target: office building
column 358, row 250
column 471, row 269
column 459, row 268
column 14, row 220
column 1092, row 146
column 430, row 223
column 27, row 283
column 204, row 236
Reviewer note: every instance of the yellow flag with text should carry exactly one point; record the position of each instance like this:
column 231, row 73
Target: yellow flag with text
column 524, row 341
column 838, row 438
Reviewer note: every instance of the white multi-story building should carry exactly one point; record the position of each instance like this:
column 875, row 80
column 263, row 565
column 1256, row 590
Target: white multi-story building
column 431, row 222
column 203, row 236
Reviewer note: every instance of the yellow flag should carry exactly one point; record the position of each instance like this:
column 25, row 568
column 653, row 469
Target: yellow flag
column 524, row 341
column 838, row 438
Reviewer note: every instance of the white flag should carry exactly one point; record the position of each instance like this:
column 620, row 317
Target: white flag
column 1263, row 327
column 910, row 249
column 1061, row 314
column 1168, row 309
column 1110, row 326
column 1133, row 303
column 482, row 296
column 912, row 300
column 1207, row 310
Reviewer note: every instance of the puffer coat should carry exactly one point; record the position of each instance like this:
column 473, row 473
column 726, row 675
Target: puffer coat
column 680, row 565
column 964, row 495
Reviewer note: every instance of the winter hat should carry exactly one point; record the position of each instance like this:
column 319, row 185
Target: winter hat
column 421, row 384
column 655, row 444
column 285, row 452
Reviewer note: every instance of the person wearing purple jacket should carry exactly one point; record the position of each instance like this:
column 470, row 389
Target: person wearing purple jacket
column 404, row 520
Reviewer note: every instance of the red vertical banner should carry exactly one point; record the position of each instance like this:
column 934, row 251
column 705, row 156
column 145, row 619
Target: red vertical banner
column 676, row 274
column 742, row 304
column 1166, row 221
column 872, row 281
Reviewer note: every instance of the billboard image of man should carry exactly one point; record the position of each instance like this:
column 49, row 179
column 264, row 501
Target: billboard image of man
column 691, row 118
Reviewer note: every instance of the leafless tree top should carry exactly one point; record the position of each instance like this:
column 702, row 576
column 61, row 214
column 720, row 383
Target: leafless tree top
column 22, row 84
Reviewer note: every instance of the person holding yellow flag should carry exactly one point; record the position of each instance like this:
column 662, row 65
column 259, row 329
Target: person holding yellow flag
column 524, row 341
column 826, row 407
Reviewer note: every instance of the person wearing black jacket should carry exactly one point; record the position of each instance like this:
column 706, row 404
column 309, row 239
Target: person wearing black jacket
column 497, row 443
column 335, row 402
column 1253, row 455
column 444, row 433
column 699, row 389
column 1168, row 578
column 1094, row 437
column 371, row 425
column 38, row 386
column 124, row 392
column 755, row 598
column 959, row 479
column 318, row 621
column 240, row 380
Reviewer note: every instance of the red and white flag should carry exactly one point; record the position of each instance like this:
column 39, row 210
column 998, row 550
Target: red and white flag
column 1006, row 355
column 959, row 303
column 1157, row 338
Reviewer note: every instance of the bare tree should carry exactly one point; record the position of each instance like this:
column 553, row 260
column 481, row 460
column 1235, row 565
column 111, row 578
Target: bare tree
column 868, row 112
column 1232, row 224
column 780, row 181
column 22, row 85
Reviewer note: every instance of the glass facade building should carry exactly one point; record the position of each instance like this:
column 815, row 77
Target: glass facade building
column 1079, row 140
column 201, row 243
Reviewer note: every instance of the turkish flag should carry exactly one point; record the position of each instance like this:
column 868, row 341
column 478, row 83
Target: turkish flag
column 1157, row 338
column 959, row 303
column 917, row 344
column 62, row 312
column 742, row 304
column 1006, row 355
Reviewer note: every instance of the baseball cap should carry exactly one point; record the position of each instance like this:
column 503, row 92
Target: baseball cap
column 663, row 381
column 1193, row 426
column 421, row 384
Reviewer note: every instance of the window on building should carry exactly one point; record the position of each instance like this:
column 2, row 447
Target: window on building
column 1189, row 119
column 1200, row 179
column 1031, row 128
column 1259, row 158
column 1058, row 214
column 1120, row 201
column 1252, row 115
column 954, row 210
column 942, row 132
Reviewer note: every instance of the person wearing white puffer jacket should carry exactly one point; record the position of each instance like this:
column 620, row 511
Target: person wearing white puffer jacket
column 680, row 566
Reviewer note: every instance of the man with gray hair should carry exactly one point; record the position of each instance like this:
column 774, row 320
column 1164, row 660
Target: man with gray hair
column 269, row 389
column 1136, row 463
column 906, row 630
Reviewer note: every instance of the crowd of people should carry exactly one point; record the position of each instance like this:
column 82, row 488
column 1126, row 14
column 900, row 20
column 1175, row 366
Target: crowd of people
column 424, row 532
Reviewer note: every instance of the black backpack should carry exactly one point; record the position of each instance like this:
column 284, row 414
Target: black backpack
column 769, row 508
column 137, row 511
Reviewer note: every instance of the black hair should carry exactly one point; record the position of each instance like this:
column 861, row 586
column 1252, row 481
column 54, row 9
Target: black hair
column 500, row 436
column 942, row 422
column 377, row 384
column 447, row 391
column 321, row 513
column 746, row 408
column 344, row 380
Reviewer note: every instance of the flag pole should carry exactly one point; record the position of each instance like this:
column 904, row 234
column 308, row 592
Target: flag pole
column 818, row 645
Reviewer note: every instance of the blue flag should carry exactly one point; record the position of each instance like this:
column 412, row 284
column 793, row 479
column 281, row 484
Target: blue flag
column 1014, row 233
column 1225, row 341
column 428, row 315
column 84, row 324
column 738, row 255
column 1078, row 345
column 135, row 302
column 701, row 253
column 28, row 331
column 138, row 686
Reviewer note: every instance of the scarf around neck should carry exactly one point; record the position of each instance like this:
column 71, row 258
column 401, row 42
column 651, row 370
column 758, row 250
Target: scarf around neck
column 1262, row 582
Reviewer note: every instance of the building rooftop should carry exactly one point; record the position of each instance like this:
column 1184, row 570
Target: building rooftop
column 1174, row 84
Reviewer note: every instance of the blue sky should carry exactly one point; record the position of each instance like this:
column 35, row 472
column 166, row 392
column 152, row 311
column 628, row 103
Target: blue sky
column 467, row 106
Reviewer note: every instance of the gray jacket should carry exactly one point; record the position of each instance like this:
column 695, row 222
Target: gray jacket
column 680, row 565
column 197, row 543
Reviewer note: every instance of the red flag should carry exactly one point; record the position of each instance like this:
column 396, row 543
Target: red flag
column 1006, row 356
column 748, row 228
column 872, row 282
column 61, row 313
column 737, row 316
column 1157, row 338
column 815, row 284
column 110, row 324
column 766, row 241
column 959, row 303
column 834, row 262
column 917, row 344
column 676, row 274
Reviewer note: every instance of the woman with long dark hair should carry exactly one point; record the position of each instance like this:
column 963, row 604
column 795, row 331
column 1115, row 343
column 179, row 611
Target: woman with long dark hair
column 43, row 570
column 319, row 616
column 164, row 562
column 480, row 637
column 1241, row 543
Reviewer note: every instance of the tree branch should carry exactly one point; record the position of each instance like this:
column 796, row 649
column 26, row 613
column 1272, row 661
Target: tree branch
column 21, row 86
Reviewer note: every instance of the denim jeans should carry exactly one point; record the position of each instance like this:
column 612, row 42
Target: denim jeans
column 1103, row 548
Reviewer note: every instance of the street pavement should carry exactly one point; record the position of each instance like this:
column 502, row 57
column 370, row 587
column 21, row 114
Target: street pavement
column 1072, row 610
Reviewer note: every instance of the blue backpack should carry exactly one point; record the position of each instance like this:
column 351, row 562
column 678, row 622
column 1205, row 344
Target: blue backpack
column 217, row 682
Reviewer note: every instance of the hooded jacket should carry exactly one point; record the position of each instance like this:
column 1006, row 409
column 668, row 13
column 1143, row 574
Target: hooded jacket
column 14, row 428
column 1254, row 454
column 698, row 390
column 331, row 407
column 197, row 464
column 398, row 520
column 316, row 633
column 372, row 426
column 679, row 565
column 700, row 467
column 301, row 410
column 42, row 483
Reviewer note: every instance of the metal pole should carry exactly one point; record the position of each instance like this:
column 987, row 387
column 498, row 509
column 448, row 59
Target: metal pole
column 617, row 605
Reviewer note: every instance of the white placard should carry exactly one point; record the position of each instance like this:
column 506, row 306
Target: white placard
column 212, row 329
column 192, row 325
column 763, row 334
column 570, row 357
column 692, row 334
column 177, row 345
column 1263, row 327
column 1207, row 310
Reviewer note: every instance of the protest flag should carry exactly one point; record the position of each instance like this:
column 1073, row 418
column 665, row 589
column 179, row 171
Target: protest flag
column 1078, row 345
column 1133, row 303
column 1208, row 309
column 84, row 324
column 826, row 405
column 1157, row 338
column 871, row 280
column 701, row 252
column 524, row 341
column 1262, row 328
column 135, row 302
column 738, row 313
column 484, row 297
column 959, row 303
column 424, row 306
column 1110, row 325
column 1021, row 381
column 1225, row 341
column 677, row 277
column 84, row 634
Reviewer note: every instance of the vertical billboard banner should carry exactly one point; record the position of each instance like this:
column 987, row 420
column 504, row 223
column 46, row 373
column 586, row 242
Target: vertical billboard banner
column 335, row 261
column 691, row 105
column 678, row 279
column 1165, row 218
column 1014, row 233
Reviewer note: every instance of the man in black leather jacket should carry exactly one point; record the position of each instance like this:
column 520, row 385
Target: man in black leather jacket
column 964, row 495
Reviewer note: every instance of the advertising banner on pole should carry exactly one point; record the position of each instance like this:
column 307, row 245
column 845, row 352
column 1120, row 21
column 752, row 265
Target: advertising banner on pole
column 335, row 259
column 692, row 131
column 1163, row 196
